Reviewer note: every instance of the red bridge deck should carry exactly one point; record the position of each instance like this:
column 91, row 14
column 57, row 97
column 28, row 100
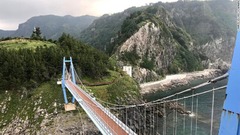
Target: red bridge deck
column 109, row 122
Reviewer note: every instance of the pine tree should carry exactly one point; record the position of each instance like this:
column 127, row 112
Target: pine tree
column 36, row 34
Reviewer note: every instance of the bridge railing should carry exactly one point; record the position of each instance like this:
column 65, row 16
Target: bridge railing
column 179, row 113
column 92, row 108
column 98, row 122
column 108, row 113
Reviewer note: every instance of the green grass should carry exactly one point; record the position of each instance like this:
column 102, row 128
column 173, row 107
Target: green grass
column 101, row 91
column 110, row 78
column 11, row 107
column 26, row 106
column 126, row 89
column 50, row 93
column 24, row 43
column 122, row 87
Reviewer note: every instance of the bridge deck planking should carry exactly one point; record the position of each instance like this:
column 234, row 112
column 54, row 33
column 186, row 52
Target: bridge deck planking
column 113, row 126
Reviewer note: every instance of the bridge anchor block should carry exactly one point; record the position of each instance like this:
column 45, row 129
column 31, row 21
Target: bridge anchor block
column 69, row 107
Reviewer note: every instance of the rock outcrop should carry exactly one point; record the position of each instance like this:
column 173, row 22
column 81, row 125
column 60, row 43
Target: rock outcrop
column 222, row 48
column 173, row 81
column 212, row 26
column 145, row 44
column 157, row 48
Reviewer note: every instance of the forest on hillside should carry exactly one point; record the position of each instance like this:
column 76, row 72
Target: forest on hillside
column 27, row 68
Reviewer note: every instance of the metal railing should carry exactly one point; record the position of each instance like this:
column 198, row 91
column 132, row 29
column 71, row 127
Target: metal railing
column 90, row 109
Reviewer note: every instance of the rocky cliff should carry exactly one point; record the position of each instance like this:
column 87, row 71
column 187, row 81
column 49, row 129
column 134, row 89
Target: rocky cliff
column 211, row 24
column 222, row 48
column 205, row 29
column 157, row 47
column 100, row 33
column 145, row 45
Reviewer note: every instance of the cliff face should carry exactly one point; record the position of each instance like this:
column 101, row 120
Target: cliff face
column 156, row 48
column 103, row 29
column 212, row 26
column 205, row 29
column 173, row 37
column 221, row 58
column 147, row 46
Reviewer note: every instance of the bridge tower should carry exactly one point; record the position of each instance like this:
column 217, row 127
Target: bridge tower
column 230, row 119
column 68, row 75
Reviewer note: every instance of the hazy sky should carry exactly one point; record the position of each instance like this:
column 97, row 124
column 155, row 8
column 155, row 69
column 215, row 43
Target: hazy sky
column 14, row 12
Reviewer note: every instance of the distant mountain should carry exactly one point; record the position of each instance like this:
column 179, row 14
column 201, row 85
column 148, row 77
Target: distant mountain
column 100, row 32
column 212, row 25
column 167, row 38
column 6, row 33
column 203, row 20
column 154, row 45
column 53, row 26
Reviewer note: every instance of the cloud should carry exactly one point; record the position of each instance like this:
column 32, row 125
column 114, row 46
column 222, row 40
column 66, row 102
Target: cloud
column 13, row 12
column 8, row 25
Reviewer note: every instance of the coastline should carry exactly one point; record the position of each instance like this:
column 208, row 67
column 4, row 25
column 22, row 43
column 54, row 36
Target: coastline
column 171, row 81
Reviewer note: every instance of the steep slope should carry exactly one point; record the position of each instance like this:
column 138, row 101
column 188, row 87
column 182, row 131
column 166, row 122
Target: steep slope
column 103, row 29
column 39, row 112
column 53, row 26
column 151, row 42
column 212, row 25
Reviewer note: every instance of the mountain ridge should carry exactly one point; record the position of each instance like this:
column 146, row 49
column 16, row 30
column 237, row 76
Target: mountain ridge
column 52, row 26
column 205, row 31
column 150, row 40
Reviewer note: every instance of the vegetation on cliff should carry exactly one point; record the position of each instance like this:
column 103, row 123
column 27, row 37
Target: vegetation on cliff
column 150, row 33
column 102, row 30
column 209, row 26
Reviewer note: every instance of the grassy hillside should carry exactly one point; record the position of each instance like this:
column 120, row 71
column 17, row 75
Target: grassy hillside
column 117, row 88
column 24, row 43
column 30, row 106
column 32, row 110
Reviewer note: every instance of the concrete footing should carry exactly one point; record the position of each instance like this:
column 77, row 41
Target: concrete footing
column 69, row 107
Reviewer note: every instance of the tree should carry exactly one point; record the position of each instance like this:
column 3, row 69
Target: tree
column 36, row 34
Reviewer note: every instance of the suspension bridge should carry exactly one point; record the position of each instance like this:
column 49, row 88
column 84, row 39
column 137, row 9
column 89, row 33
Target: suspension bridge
column 209, row 108
column 177, row 113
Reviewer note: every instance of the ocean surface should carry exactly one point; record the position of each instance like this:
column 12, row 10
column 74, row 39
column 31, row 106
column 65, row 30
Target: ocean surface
column 200, row 122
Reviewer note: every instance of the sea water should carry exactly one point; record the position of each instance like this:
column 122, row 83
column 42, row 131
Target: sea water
column 199, row 122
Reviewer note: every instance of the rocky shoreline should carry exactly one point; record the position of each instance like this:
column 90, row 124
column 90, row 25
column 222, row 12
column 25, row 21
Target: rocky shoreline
column 176, row 80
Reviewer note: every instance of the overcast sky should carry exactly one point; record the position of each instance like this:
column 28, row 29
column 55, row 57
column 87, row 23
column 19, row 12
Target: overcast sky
column 14, row 12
